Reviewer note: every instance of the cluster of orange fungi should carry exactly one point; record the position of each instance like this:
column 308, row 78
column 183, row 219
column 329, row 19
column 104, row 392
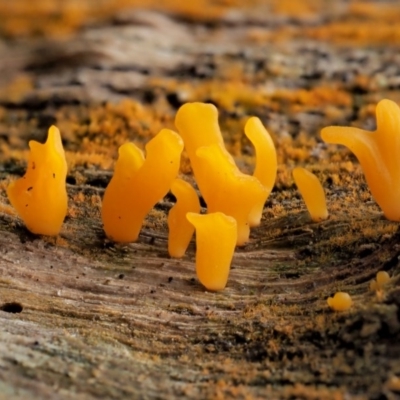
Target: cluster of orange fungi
column 235, row 200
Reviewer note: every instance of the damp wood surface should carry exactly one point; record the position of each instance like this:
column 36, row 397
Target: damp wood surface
column 82, row 318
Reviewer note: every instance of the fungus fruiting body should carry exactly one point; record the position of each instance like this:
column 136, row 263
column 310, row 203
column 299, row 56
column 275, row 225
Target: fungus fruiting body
column 312, row 192
column 382, row 278
column 228, row 190
column 40, row 196
column 197, row 123
column 223, row 186
column 180, row 229
column 378, row 153
column 341, row 301
column 215, row 244
column 266, row 162
column 138, row 184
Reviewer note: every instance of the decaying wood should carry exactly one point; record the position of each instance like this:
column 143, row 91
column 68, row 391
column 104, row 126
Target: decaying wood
column 85, row 318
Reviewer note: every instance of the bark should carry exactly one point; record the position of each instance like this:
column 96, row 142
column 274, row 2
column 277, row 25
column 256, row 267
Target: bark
column 84, row 318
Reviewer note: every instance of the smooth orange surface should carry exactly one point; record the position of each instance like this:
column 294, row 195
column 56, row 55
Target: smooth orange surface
column 266, row 162
column 40, row 196
column 378, row 153
column 222, row 185
column 312, row 192
column 341, row 301
column 229, row 190
column 180, row 230
column 382, row 278
column 197, row 123
column 215, row 243
column 137, row 184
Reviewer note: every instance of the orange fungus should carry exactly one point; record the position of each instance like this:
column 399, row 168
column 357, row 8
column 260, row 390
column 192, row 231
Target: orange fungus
column 378, row 153
column 215, row 241
column 312, row 192
column 40, row 196
column 180, row 229
column 223, row 186
column 341, row 301
column 382, row 278
column 266, row 162
column 138, row 184
column 228, row 190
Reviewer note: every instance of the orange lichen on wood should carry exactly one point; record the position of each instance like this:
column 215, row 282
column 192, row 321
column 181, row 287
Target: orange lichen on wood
column 372, row 32
column 52, row 17
column 316, row 97
column 215, row 241
column 382, row 278
column 77, row 158
column 40, row 196
column 138, row 184
column 17, row 89
column 366, row 23
column 229, row 94
column 297, row 9
column 111, row 125
column 180, row 230
column 312, row 192
column 378, row 153
column 341, row 301
column 375, row 11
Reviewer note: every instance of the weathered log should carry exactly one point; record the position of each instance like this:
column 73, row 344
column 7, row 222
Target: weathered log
column 81, row 317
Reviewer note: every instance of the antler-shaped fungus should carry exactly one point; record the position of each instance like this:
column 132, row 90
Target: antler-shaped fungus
column 378, row 153
column 40, row 196
column 138, row 184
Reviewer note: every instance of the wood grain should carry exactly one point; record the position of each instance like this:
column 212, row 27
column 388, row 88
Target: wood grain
column 100, row 320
